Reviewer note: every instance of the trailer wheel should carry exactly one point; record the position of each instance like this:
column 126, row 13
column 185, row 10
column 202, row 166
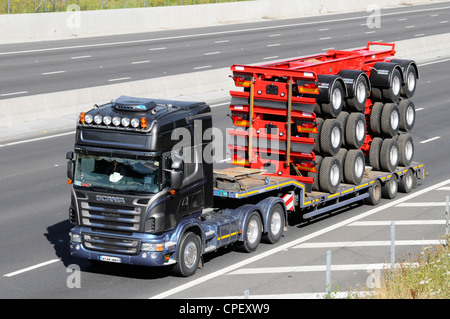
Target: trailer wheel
column 374, row 194
column 374, row 153
column 409, row 88
column 407, row 111
column 252, row 233
column 389, row 155
column 358, row 102
column 406, row 149
column 405, row 185
column 390, row 188
column 392, row 93
column 276, row 224
column 354, row 167
column 330, row 137
column 188, row 255
column 336, row 100
column 342, row 119
column 390, row 119
column 355, row 130
column 375, row 118
column 329, row 175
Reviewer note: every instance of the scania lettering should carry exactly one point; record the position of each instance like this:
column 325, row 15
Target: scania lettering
column 310, row 135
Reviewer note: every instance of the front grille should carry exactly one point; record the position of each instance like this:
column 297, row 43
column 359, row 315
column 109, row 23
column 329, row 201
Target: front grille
column 110, row 218
column 109, row 244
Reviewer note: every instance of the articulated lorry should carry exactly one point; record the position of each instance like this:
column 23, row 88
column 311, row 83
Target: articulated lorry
column 310, row 135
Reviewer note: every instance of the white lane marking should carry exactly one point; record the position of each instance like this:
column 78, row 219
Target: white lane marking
column 447, row 188
column 31, row 268
column 419, row 35
column 274, row 35
column 221, row 41
column 53, row 72
column 157, row 49
column 443, row 22
column 212, row 53
column 140, row 62
column 271, row 57
column 426, row 204
column 305, row 295
column 273, row 45
column 81, row 57
column 14, row 93
column 119, row 79
column 203, row 67
column 325, row 38
column 36, row 139
column 220, row 32
column 294, row 242
column 430, row 139
column 220, row 104
column 420, row 109
column 410, row 27
column 277, row 270
column 434, row 62
column 374, row 243
column 370, row 32
column 404, row 19
column 324, row 29
column 398, row 223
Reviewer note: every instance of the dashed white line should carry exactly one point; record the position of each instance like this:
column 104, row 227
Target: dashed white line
column 81, row 57
column 14, row 93
column 324, row 29
column 444, row 21
column 399, row 222
column 274, row 45
column 422, row 204
column 271, row 57
column 403, row 19
column 370, row 32
column 53, row 72
column 409, row 27
column 140, row 62
column 32, row 267
column 221, row 41
column 157, row 49
column 430, row 139
column 420, row 109
column 374, row 243
column 445, row 188
column 119, row 79
column 275, row 35
column 212, row 53
column 419, row 35
column 325, row 38
column 36, row 139
column 203, row 67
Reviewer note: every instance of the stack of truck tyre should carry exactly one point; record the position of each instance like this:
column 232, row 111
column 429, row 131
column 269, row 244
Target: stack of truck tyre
column 336, row 115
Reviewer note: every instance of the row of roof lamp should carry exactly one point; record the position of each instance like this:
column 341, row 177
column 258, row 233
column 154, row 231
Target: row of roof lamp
column 115, row 121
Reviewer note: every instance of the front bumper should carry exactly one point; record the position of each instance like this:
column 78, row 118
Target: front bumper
column 143, row 258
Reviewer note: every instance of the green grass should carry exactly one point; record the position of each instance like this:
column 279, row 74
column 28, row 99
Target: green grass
column 429, row 279
column 28, row 6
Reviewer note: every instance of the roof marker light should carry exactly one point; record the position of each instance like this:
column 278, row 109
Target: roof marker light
column 125, row 121
column 116, row 121
column 107, row 120
column 82, row 117
column 135, row 122
column 98, row 119
column 88, row 118
column 143, row 123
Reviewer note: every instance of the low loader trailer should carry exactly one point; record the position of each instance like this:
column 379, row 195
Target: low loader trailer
column 145, row 192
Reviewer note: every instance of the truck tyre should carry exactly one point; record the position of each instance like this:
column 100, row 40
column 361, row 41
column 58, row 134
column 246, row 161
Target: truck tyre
column 337, row 95
column 409, row 88
column 407, row 111
column 276, row 224
column 342, row 119
column 406, row 149
column 389, row 155
column 329, row 175
column 188, row 255
column 355, row 130
column 392, row 94
column 252, row 233
column 375, row 118
column 406, row 183
column 341, row 157
column 330, row 137
column 315, row 176
column 358, row 102
column 390, row 188
column 390, row 120
column 316, row 136
column 374, row 194
column 354, row 167
column 374, row 153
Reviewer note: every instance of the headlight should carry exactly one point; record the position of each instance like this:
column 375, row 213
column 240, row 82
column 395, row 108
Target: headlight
column 152, row 247
column 88, row 118
column 76, row 238
column 116, row 121
column 98, row 119
column 135, row 122
column 126, row 121
column 107, row 120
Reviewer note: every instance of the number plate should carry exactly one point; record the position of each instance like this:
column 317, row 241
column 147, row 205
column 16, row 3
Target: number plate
column 110, row 259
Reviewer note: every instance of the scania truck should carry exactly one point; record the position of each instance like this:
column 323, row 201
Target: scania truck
column 145, row 192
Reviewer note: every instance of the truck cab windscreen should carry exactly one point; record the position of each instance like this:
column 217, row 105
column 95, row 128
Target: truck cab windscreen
column 117, row 174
